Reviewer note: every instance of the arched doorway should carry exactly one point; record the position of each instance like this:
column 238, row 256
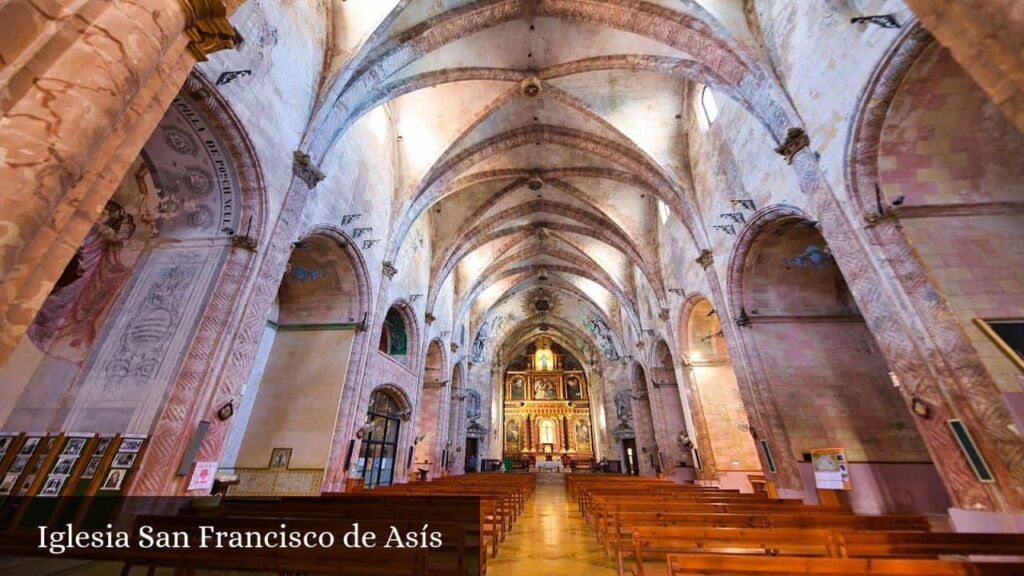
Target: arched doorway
column 379, row 450
column 430, row 430
column 825, row 378
column 727, row 450
column 453, row 445
column 668, row 397
column 645, row 455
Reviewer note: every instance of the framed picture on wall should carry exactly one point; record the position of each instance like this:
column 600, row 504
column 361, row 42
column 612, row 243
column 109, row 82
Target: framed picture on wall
column 52, row 486
column 64, row 464
column 7, row 486
column 123, row 460
column 91, row 467
column 115, row 478
column 130, row 445
column 29, row 446
column 280, row 457
column 74, row 446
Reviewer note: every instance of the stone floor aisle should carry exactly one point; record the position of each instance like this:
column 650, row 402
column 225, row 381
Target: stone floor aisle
column 550, row 538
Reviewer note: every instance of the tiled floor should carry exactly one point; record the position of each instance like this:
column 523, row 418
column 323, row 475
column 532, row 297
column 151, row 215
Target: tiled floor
column 550, row 538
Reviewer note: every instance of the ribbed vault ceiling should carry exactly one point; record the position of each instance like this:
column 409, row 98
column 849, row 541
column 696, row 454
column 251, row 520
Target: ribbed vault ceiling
column 563, row 181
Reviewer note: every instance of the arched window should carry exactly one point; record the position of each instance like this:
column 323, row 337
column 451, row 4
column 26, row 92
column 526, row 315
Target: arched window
column 708, row 108
column 663, row 212
column 394, row 339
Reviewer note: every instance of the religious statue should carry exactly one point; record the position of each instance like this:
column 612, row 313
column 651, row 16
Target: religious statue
column 472, row 405
column 623, row 409
column 547, row 432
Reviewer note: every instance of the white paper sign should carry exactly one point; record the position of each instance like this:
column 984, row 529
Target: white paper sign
column 202, row 476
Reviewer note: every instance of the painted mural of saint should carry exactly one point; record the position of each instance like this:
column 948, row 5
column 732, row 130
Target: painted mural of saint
column 544, row 390
column 582, row 432
column 573, row 390
column 518, row 389
column 512, row 433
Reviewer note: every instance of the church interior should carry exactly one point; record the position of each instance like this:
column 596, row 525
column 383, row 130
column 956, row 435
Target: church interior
column 733, row 271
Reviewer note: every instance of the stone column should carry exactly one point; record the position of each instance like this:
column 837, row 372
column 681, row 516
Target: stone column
column 83, row 86
column 987, row 38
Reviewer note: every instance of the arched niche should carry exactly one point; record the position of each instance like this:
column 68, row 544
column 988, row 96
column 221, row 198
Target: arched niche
column 431, row 430
column 645, row 444
column 158, row 271
column 727, row 449
column 668, row 397
column 453, row 447
column 292, row 397
column 820, row 364
column 955, row 186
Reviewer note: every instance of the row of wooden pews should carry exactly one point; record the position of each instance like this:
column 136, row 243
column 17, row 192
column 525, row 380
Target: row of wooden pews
column 502, row 499
column 472, row 513
column 688, row 529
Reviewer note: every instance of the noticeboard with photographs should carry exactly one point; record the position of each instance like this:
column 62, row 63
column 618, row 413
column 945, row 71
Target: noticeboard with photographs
column 127, row 453
column 66, row 465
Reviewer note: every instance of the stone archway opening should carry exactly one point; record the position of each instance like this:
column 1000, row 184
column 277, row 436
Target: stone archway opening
column 826, row 374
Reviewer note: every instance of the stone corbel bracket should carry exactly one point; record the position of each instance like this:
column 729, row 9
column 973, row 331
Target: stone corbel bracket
column 207, row 26
column 304, row 168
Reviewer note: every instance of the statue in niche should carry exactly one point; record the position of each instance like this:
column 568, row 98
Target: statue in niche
column 623, row 409
column 547, row 432
column 472, row 405
column 573, row 388
column 544, row 389
column 582, row 432
column 517, row 389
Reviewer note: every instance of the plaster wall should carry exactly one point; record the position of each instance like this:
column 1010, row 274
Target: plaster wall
column 297, row 402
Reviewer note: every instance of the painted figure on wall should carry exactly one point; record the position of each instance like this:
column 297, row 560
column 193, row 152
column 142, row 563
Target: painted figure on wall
column 573, row 388
column 544, row 389
column 623, row 409
column 599, row 328
column 517, row 389
column 582, row 432
column 512, row 433
column 472, row 405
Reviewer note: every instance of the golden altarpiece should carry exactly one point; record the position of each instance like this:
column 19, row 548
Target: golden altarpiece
column 547, row 407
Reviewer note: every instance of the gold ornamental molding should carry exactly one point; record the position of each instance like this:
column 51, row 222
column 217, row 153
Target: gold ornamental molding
column 207, row 26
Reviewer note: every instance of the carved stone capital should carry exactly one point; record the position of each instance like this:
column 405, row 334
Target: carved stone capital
column 706, row 258
column 207, row 26
column 389, row 269
column 305, row 170
column 664, row 314
column 429, row 318
column 455, row 347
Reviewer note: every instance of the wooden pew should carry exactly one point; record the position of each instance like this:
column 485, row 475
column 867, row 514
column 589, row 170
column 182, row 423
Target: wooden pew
column 656, row 542
column 928, row 544
column 619, row 535
column 719, row 564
